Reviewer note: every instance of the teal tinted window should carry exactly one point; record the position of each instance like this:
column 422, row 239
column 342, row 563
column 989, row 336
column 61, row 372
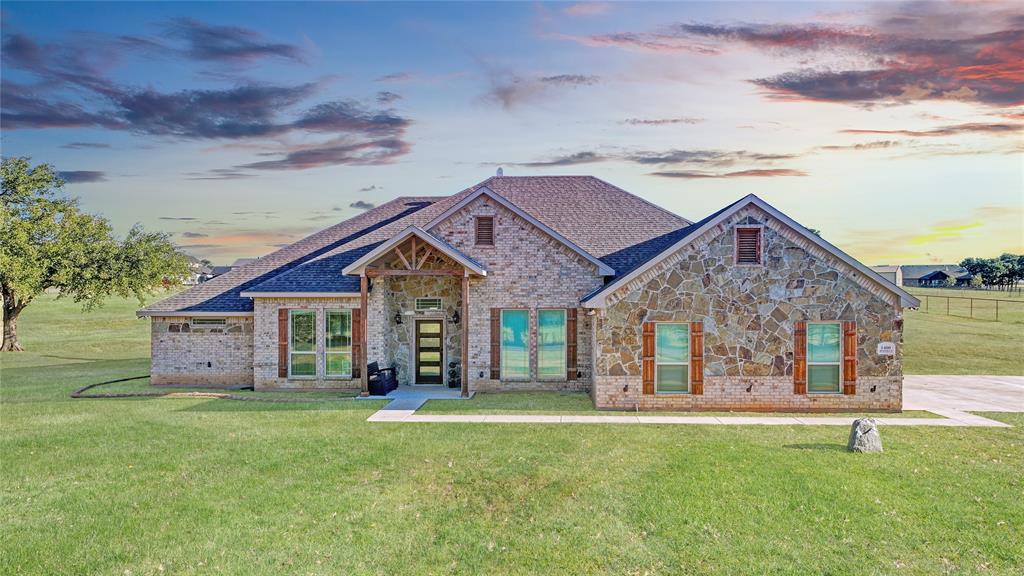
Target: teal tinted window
column 515, row 344
column 672, row 358
column 551, row 343
column 672, row 343
column 823, row 342
column 303, row 365
column 823, row 357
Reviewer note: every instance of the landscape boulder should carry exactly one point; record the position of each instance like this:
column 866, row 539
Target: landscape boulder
column 864, row 436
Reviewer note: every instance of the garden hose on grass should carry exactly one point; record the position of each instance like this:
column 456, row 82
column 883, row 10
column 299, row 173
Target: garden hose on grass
column 81, row 393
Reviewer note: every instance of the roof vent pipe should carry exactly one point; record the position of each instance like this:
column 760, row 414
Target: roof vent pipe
column 500, row 172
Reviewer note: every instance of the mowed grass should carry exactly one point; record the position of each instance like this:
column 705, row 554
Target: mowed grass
column 206, row 486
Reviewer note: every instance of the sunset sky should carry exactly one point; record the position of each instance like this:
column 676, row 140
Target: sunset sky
column 897, row 129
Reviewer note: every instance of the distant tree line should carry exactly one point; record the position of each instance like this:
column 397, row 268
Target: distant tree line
column 1004, row 273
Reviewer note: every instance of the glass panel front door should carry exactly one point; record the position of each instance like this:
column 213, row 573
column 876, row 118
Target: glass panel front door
column 429, row 353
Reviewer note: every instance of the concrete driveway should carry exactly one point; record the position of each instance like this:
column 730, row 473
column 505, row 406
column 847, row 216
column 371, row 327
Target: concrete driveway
column 942, row 394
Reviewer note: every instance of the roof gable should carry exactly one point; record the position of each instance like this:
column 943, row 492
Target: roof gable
column 598, row 297
column 359, row 265
column 603, row 268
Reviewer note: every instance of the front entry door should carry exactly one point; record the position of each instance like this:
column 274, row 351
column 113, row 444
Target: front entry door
column 428, row 351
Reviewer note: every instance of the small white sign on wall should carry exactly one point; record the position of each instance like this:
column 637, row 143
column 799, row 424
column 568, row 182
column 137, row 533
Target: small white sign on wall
column 886, row 348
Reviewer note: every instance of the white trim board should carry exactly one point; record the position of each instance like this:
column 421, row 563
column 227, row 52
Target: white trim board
column 602, row 268
column 598, row 300
column 359, row 265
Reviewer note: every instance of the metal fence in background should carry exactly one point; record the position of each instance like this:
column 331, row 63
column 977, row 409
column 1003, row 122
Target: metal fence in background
column 994, row 309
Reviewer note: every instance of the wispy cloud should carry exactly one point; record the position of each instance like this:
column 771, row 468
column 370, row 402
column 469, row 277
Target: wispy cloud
column 587, row 9
column 361, row 205
column 661, row 121
column 84, row 145
column 909, row 52
column 358, row 133
column 511, row 90
column 954, row 130
column 565, row 160
column 83, row 176
column 759, row 173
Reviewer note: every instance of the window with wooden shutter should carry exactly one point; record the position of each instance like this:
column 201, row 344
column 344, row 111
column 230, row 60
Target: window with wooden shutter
column 647, row 360
column 800, row 357
column 282, row 342
column 849, row 357
column 485, row 231
column 570, row 348
column 696, row 357
column 495, row 343
column 748, row 246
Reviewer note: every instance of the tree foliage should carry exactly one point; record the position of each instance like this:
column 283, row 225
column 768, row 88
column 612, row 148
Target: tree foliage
column 48, row 243
column 1005, row 272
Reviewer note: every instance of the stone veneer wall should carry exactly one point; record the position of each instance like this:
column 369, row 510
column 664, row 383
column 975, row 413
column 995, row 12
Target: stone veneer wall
column 394, row 344
column 526, row 268
column 264, row 358
column 748, row 314
column 201, row 355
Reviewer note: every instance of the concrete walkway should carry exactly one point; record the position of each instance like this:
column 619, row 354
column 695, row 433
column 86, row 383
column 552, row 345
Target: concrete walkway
column 951, row 397
column 410, row 398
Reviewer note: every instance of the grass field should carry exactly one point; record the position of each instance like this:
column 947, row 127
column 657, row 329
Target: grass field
column 206, row 486
column 935, row 343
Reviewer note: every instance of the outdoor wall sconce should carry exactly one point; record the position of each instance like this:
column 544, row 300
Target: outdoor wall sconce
column 749, row 387
column 455, row 317
column 398, row 317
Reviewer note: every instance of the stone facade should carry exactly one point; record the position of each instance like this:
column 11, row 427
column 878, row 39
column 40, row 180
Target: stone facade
column 526, row 268
column 201, row 355
column 263, row 364
column 748, row 314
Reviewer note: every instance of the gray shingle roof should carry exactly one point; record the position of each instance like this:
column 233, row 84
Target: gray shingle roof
column 600, row 218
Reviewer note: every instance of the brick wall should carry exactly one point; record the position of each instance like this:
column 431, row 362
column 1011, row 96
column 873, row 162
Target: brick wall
column 526, row 268
column 748, row 314
column 264, row 352
column 182, row 353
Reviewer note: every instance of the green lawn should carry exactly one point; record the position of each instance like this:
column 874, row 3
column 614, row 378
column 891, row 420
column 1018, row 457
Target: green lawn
column 208, row 486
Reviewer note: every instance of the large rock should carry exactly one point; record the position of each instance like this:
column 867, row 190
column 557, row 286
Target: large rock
column 864, row 436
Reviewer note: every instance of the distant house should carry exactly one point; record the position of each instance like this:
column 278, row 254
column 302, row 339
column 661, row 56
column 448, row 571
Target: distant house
column 219, row 270
column 913, row 273
column 893, row 274
column 940, row 278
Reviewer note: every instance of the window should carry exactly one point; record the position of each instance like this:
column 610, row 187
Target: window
column 485, row 231
column 672, row 358
column 423, row 304
column 338, row 344
column 551, row 343
column 823, row 357
column 301, row 343
column 515, row 344
column 208, row 321
column 748, row 246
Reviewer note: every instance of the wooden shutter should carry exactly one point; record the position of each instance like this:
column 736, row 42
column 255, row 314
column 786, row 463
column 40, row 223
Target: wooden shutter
column 800, row 357
column 357, row 343
column 647, row 361
column 495, row 343
column 849, row 357
column 748, row 245
column 282, row 342
column 570, row 344
column 696, row 357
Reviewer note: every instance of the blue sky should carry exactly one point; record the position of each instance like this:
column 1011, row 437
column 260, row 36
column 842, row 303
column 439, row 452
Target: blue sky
column 896, row 129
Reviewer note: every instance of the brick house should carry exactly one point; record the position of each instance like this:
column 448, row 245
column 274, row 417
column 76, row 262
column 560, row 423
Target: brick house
column 552, row 283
